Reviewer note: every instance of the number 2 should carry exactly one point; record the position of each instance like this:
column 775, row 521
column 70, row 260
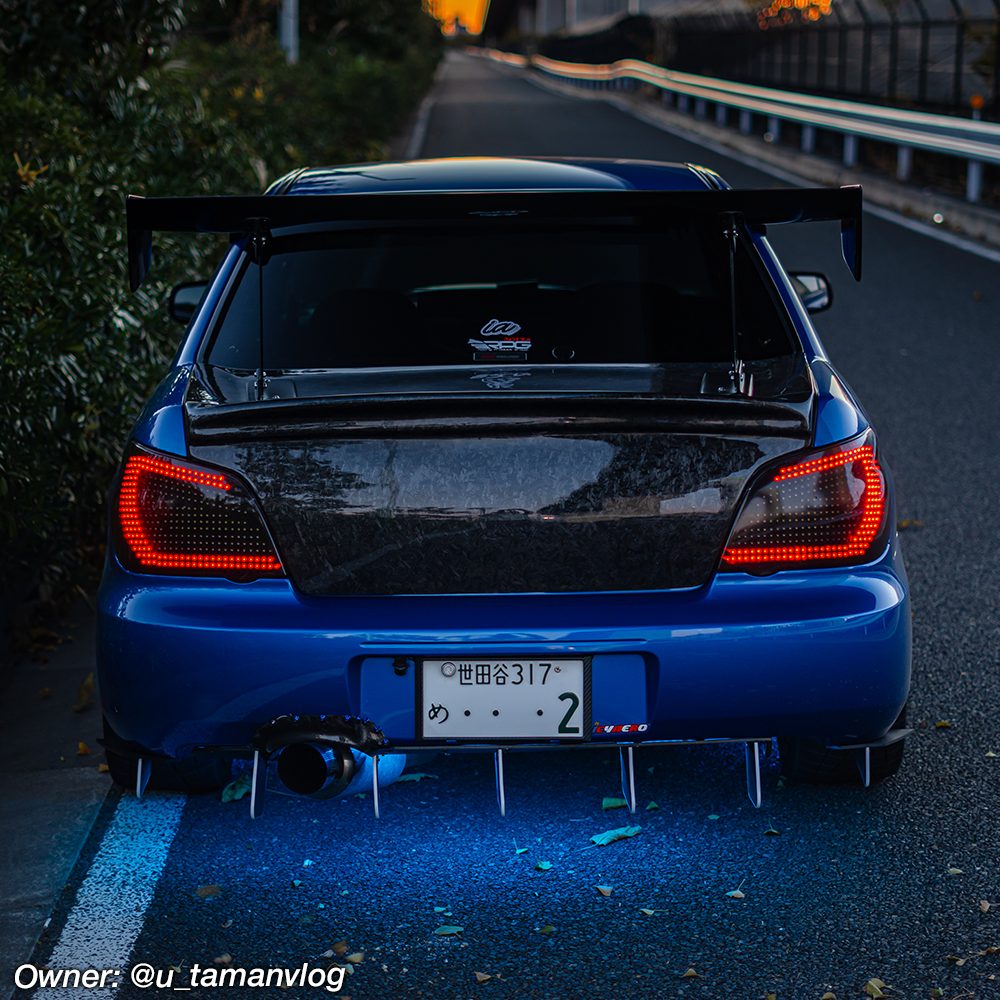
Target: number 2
column 575, row 704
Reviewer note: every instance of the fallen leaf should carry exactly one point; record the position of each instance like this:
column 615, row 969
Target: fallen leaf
column 990, row 753
column 355, row 958
column 613, row 803
column 690, row 974
column 770, row 996
column 984, row 906
column 296, row 882
column 307, row 863
column 649, row 913
column 651, row 805
column 543, row 866
column 83, row 693
column 736, row 894
column 237, row 789
column 44, row 692
column 82, row 750
column 955, row 959
column 440, row 909
column 224, row 959
column 874, row 988
column 713, row 815
column 604, row 890
column 942, row 724
column 937, row 992
column 828, row 996
column 225, row 926
column 521, row 850
column 208, row 891
column 988, row 951
column 955, row 871
column 610, row 836
column 327, row 954
column 103, row 768
column 446, row 930
column 546, row 929
column 340, row 947
column 481, row 977
column 771, row 832
column 416, row 776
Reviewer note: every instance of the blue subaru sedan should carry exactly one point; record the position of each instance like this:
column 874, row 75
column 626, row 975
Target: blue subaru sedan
column 499, row 455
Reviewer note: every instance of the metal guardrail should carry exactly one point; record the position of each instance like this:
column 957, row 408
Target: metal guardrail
column 976, row 141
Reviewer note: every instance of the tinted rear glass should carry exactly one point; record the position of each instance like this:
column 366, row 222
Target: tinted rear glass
column 469, row 295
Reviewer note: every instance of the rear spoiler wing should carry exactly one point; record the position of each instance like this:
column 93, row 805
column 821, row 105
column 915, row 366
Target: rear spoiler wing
column 244, row 214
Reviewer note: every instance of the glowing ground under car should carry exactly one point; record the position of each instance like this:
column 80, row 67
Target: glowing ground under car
column 499, row 455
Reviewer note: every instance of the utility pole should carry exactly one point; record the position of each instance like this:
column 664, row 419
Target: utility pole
column 288, row 29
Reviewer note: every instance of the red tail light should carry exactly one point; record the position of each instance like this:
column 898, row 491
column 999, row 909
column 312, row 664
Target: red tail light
column 182, row 520
column 825, row 511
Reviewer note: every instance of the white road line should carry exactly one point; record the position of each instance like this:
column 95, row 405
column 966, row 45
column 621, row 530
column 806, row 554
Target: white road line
column 111, row 903
column 979, row 249
column 924, row 228
column 419, row 133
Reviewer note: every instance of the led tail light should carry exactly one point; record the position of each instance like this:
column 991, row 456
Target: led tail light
column 825, row 511
column 179, row 519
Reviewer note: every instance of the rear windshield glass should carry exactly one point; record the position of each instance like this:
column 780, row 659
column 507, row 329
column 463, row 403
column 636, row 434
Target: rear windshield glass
column 608, row 294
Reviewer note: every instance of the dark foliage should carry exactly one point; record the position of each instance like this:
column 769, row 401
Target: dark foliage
column 116, row 98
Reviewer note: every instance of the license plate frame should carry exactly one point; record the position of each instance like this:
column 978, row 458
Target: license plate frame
column 499, row 732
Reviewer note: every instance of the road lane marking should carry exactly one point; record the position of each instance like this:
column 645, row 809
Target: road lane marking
column 104, row 923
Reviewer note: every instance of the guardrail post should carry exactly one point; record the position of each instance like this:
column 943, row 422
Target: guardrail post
column 668, row 98
column 745, row 121
column 682, row 102
column 699, row 108
column 774, row 127
column 973, row 181
column 904, row 162
column 721, row 114
column 850, row 149
column 808, row 138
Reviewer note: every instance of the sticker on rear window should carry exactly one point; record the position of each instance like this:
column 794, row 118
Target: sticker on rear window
column 499, row 335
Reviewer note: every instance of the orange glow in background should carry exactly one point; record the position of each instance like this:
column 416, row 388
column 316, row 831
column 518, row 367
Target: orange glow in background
column 470, row 13
column 781, row 11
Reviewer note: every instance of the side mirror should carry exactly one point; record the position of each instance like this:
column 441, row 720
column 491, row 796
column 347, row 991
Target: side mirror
column 814, row 291
column 185, row 299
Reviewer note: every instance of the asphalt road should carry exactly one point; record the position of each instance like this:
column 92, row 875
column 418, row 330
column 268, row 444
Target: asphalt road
column 839, row 886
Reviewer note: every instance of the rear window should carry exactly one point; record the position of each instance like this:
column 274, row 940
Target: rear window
column 582, row 294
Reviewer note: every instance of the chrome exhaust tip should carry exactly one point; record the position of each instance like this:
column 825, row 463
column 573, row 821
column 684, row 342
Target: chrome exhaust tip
column 312, row 769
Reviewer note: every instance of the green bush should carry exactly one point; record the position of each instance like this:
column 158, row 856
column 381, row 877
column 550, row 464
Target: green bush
column 115, row 102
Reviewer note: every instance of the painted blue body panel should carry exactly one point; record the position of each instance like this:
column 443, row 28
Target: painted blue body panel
column 161, row 422
column 186, row 662
column 496, row 174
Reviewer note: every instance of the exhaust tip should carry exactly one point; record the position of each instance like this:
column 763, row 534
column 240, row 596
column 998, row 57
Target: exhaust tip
column 307, row 768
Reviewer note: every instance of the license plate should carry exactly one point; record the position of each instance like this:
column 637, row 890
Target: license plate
column 504, row 699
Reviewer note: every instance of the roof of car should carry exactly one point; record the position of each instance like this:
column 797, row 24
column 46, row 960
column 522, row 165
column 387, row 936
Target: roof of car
column 499, row 174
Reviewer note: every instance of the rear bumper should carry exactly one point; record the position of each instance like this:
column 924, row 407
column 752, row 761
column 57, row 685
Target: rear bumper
column 186, row 663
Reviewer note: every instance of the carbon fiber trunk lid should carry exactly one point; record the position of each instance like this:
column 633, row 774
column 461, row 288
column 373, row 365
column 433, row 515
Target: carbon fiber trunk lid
column 441, row 495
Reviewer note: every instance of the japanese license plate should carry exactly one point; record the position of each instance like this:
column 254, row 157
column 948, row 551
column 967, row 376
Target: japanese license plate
column 504, row 699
